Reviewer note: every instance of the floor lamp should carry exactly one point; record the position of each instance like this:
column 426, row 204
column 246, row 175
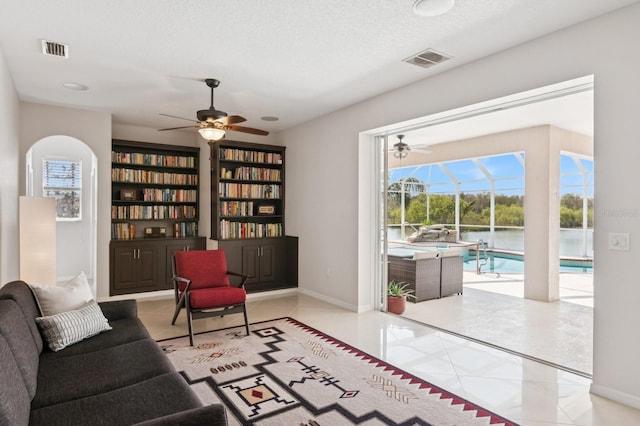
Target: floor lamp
column 38, row 240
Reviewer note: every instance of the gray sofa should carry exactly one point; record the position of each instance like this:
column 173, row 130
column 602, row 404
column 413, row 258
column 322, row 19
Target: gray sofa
column 118, row 377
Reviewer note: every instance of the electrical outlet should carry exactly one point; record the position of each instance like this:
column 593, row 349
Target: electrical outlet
column 619, row 241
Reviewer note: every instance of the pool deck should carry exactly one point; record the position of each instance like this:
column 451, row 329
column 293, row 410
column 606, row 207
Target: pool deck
column 493, row 309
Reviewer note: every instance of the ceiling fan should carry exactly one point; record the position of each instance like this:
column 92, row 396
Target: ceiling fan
column 213, row 123
column 401, row 149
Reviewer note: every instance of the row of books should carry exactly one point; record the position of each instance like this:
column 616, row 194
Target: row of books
column 153, row 159
column 185, row 229
column 251, row 173
column 241, row 230
column 167, row 195
column 153, row 212
column 234, row 154
column 248, row 190
column 127, row 231
column 147, row 176
column 123, row 231
column 236, row 208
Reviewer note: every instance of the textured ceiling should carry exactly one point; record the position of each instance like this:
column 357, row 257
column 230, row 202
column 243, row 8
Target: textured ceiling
column 294, row 59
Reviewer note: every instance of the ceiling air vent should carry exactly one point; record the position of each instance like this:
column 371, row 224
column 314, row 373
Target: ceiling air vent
column 52, row 48
column 427, row 58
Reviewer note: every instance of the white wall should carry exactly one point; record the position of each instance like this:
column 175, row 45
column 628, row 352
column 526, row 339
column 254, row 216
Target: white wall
column 323, row 173
column 94, row 129
column 9, row 242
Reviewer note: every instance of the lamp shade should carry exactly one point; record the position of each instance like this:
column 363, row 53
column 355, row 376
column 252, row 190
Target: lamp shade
column 211, row 133
column 38, row 240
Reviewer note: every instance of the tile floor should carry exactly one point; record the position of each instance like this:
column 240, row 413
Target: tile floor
column 525, row 391
column 493, row 310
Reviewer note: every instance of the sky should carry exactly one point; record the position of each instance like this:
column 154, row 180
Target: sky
column 506, row 169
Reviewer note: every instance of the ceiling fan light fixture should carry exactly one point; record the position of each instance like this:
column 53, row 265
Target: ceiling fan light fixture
column 431, row 8
column 211, row 133
column 401, row 154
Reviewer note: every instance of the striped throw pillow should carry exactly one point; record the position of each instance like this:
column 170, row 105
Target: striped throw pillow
column 66, row 328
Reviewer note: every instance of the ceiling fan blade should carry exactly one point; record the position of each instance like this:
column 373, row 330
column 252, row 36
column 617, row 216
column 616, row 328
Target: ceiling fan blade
column 246, row 130
column 181, row 118
column 231, row 119
column 181, row 127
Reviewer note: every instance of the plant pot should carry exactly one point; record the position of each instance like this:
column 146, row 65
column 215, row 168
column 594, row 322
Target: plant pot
column 396, row 304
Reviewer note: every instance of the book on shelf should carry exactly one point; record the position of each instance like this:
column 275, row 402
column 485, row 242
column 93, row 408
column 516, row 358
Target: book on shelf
column 185, row 229
column 158, row 160
column 153, row 212
column 234, row 154
column 152, row 177
column 230, row 230
column 248, row 190
column 123, row 231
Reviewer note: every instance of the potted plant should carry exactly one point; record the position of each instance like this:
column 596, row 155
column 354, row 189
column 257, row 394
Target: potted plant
column 397, row 293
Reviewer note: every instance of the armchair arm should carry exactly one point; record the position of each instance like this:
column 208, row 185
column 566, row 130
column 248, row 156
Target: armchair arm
column 214, row 414
column 243, row 277
column 177, row 279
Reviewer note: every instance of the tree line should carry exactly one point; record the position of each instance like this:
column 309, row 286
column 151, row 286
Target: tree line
column 475, row 208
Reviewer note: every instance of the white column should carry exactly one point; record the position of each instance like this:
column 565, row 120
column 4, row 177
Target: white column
column 542, row 221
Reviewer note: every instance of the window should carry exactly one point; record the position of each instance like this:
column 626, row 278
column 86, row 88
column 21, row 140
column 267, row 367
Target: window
column 62, row 179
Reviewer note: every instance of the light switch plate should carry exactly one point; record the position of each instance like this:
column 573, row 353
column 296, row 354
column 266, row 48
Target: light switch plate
column 619, row 241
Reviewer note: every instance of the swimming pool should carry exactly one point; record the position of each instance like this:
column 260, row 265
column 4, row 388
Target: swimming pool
column 503, row 263
column 497, row 262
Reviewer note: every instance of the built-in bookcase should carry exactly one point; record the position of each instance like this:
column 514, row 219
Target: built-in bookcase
column 153, row 185
column 248, row 202
column 154, row 213
column 248, row 213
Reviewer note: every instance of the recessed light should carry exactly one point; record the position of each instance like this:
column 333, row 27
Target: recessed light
column 75, row 86
column 432, row 7
column 269, row 118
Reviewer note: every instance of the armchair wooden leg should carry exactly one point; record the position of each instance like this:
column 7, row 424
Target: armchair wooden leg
column 246, row 319
column 189, row 319
column 179, row 306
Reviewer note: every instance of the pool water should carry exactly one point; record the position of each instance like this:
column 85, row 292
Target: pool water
column 506, row 264
column 498, row 263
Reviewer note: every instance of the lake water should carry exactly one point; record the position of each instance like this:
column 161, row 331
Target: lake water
column 513, row 239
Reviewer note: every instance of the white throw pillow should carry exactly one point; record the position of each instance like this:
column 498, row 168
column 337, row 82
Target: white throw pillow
column 54, row 299
column 66, row 328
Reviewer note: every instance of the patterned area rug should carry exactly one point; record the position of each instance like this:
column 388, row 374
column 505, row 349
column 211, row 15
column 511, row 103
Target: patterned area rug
column 286, row 373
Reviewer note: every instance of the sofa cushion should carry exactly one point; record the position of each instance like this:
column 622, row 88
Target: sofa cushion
column 66, row 328
column 14, row 398
column 148, row 399
column 20, row 292
column 72, row 377
column 18, row 337
column 53, row 299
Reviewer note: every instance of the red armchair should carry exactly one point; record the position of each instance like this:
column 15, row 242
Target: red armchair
column 202, row 286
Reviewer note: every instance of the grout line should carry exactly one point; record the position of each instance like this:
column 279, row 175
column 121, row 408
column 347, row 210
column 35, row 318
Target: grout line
column 503, row 349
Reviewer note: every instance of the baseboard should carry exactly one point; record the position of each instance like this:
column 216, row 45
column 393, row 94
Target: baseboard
column 615, row 395
column 331, row 300
column 271, row 293
column 147, row 295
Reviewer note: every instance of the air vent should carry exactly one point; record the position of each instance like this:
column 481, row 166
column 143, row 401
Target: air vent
column 52, row 48
column 427, row 58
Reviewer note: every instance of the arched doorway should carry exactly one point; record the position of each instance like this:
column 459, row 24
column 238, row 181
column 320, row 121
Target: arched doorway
column 51, row 163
